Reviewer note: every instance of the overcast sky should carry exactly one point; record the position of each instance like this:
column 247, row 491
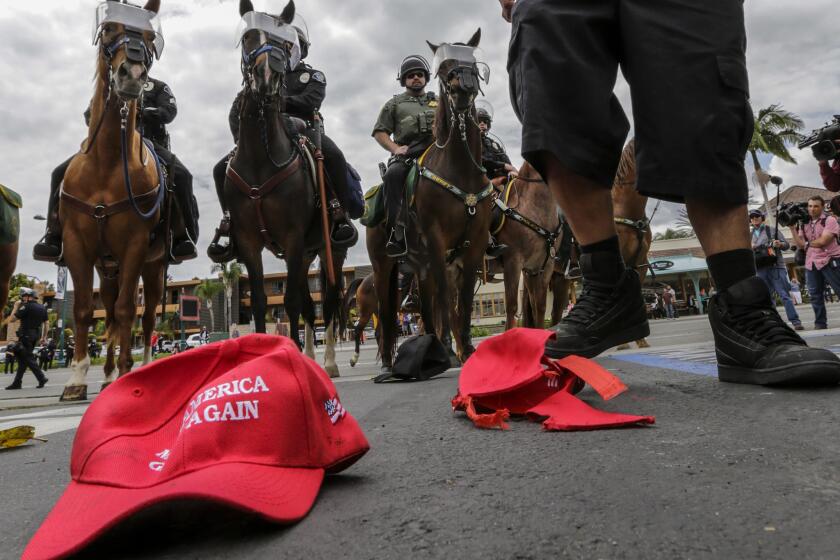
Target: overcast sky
column 47, row 63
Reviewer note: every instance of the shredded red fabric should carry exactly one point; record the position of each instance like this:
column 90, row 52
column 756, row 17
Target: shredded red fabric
column 509, row 374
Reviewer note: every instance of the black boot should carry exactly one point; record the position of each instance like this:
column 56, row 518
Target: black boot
column 605, row 315
column 217, row 252
column 754, row 345
column 182, row 250
column 396, row 246
column 494, row 249
column 48, row 249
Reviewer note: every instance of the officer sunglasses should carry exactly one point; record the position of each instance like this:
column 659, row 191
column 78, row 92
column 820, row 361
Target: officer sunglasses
column 411, row 75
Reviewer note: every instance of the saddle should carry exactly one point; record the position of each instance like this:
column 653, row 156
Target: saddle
column 10, row 204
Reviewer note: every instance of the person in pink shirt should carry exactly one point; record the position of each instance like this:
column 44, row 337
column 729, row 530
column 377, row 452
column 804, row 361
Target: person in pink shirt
column 822, row 256
column 830, row 173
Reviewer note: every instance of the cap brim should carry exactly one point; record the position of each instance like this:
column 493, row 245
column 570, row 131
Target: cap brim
column 86, row 511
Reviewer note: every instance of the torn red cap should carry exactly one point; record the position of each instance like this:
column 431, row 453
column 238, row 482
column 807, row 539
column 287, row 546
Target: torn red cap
column 509, row 374
column 248, row 422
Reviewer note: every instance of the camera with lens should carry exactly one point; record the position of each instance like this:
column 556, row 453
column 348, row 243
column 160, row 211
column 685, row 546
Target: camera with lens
column 793, row 213
column 822, row 141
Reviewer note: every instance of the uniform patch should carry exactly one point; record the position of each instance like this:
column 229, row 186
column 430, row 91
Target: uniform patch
column 148, row 86
column 172, row 100
column 304, row 78
column 433, row 103
column 319, row 77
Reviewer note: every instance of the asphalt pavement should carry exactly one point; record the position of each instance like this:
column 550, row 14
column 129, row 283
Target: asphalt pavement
column 727, row 471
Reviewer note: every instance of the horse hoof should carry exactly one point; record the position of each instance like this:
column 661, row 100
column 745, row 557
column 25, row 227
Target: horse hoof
column 642, row 343
column 354, row 360
column 384, row 374
column 623, row 347
column 105, row 386
column 332, row 371
column 454, row 361
column 73, row 393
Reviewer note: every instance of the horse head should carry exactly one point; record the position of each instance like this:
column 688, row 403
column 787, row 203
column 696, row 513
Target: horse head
column 458, row 70
column 130, row 40
column 270, row 48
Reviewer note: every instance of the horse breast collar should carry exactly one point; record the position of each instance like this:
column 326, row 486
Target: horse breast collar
column 470, row 200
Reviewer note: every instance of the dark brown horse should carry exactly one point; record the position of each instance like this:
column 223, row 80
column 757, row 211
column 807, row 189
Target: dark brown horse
column 449, row 219
column 271, row 193
column 110, row 203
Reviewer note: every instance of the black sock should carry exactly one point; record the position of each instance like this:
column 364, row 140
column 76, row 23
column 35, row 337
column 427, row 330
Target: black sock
column 602, row 261
column 730, row 267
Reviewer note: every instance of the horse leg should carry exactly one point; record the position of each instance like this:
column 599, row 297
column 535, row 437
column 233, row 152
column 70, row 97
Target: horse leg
column 76, row 387
column 254, row 266
column 331, row 304
column 454, row 278
column 387, row 292
column 357, row 337
column 536, row 288
column 296, row 291
column 108, row 290
column 466, row 291
column 308, row 340
column 329, row 350
column 126, row 306
column 152, row 293
column 513, row 272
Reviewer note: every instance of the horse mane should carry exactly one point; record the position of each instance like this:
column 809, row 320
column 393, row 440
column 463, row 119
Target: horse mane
column 442, row 116
column 627, row 164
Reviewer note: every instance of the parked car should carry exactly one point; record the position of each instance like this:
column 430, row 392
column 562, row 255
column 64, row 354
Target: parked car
column 167, row 346
column 194, row 340
column 320, row 335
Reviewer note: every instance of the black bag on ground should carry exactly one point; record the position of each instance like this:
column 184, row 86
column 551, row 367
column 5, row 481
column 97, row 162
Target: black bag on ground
column 420, row 357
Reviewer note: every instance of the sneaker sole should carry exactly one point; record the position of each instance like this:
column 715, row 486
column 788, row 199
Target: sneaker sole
column 815, row 372
column 631, row 334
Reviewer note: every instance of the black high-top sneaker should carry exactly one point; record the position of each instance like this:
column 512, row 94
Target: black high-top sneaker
column 754, row 345
column 605, row 315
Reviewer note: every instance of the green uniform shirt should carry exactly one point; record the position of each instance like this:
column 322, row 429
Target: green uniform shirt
column 409, row 119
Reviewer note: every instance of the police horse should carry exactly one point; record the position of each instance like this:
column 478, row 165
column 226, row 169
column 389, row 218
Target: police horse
column 450, row 214
column 112, row 195
column 270, row 183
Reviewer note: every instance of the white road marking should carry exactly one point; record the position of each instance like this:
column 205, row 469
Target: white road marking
column 46, row 421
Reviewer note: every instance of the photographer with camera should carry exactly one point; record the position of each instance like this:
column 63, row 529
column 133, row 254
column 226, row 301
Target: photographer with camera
column 767, row 245
column 818, row 238
column 830, row 172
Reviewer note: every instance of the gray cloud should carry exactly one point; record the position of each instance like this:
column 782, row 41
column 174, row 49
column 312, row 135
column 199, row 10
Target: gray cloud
column 47, row 65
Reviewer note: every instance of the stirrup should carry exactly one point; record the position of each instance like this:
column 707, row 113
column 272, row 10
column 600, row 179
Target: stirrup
column 394, row 244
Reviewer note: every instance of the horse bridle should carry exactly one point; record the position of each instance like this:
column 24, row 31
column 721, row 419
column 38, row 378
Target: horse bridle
column 468, row 78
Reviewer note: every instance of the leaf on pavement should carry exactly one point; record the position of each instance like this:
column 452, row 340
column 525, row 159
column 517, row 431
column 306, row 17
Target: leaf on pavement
column 16, row 436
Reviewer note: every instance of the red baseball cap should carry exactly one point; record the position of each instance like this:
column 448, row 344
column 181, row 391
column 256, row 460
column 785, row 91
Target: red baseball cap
column 509, row 374
column 248, row 422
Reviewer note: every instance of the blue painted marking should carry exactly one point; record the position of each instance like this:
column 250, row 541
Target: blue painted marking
column 669, row 363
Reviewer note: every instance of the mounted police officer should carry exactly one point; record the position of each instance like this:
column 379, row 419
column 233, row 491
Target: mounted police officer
column 158, row 109
column 31, row 315
column 404, row 129
column 497, row 163
column 305, row 90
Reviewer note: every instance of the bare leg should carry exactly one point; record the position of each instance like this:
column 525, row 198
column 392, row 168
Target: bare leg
column 586, row 204
column 719, row 228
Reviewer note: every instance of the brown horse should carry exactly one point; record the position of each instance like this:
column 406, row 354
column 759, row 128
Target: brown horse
column 449, row 220
column 532, row 231
column 632, row 226
column 103, row 225
column 271, row 194
column 361, row 293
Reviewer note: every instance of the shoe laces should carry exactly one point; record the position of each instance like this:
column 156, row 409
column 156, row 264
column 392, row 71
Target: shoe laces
column 594, row 299
column 762, row 324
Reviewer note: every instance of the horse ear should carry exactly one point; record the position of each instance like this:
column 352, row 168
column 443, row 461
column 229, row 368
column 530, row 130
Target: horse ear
column 152, row 6
column 245, row 6
column 433, row 46
column 288, row 14
column 476, row 38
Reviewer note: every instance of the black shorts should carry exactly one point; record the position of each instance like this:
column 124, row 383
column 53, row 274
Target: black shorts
column 685, row 63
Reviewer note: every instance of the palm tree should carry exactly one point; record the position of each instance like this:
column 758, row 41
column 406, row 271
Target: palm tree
column 207, row 290
column 775, row 130
column 229, row 273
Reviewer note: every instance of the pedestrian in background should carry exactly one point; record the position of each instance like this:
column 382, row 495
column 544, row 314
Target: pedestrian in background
column 668, row 301
column 822, row 256
column 795, row 292
column 10, row 358
column 767, row 245
column 51, row 346
column 32, row 316
column 44, row 356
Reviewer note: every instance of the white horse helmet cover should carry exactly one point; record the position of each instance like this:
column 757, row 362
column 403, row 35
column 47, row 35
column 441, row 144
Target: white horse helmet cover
column 132, row 17
column 273, row 29
column 462, row 55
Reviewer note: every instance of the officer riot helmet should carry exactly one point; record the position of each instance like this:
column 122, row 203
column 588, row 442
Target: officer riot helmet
column 484, row 112
column 27, row 292
column 303, row 35
column 413, row 63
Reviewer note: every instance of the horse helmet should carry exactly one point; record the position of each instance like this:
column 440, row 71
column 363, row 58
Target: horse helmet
column 411, row 63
